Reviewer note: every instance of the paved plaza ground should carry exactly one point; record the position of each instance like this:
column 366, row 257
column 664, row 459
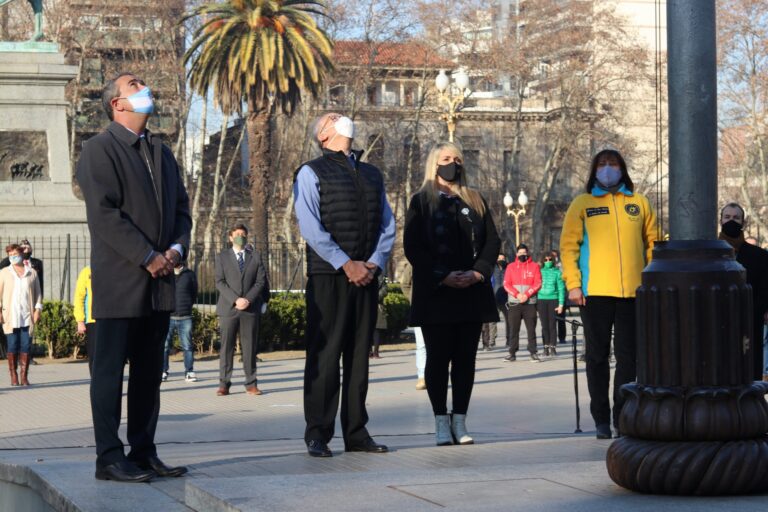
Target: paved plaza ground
column 247, row 452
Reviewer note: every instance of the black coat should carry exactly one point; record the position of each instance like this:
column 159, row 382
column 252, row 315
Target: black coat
column 186, row 293
column 755, row 261
column 127, row 221
column 452, row 237
column 233, row 284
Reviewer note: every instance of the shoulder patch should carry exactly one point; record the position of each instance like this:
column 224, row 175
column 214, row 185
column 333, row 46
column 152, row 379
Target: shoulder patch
column 600, row 210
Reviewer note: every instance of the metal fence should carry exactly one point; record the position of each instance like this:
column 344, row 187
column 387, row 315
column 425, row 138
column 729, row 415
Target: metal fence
column 64, row 256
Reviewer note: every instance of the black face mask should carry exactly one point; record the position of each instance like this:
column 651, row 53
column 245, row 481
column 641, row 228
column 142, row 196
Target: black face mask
column 501, row 263
column 522, row 258
column 26, row 255
column 732, row 229
column 450, row 172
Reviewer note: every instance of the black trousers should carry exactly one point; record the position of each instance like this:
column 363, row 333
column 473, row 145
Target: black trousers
column 90, row 344
column 546, row 310
column 599, row 316
column 140, row 341
column 340, row 322
column 453, row 345
column 247, row 324
column 515, row 315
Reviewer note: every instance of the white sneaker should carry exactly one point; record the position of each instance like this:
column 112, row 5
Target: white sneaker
column 164, row 377
column 190, row 377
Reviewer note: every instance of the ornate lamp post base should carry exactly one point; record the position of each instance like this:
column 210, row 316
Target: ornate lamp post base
column 695, row 422
column 705, row 468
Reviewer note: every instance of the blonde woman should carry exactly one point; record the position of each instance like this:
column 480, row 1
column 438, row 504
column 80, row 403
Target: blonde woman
column 20, row 305
column 452, row 243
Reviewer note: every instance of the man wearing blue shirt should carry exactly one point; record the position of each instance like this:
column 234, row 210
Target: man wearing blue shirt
column 349, row 228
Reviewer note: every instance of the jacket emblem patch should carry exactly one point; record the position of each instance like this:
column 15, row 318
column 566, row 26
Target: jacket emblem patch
column 601, row 210
column 632, row 209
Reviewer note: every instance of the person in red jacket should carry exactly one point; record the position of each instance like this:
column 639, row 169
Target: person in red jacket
column 522, row 281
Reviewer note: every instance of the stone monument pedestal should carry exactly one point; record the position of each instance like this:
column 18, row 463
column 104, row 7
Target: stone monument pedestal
column 36, row 195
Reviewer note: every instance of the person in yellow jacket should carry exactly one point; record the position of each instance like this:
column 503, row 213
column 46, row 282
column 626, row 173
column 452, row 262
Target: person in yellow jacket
column 83, row 305
column 607, row 238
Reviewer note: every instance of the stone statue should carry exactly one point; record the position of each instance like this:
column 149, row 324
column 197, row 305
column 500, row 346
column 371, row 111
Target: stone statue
column 37, row 7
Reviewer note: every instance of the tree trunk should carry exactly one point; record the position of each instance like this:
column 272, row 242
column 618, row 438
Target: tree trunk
column 217, row 190
column 259, row 159
column 198, row 185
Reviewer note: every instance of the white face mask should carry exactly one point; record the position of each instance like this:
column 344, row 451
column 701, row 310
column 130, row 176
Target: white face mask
column 345, row 127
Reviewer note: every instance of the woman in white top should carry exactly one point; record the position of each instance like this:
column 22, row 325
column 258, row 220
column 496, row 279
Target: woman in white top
column 20, row 307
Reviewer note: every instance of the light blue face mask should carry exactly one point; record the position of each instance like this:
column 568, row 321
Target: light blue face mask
column 15, row 260
column 142, row 101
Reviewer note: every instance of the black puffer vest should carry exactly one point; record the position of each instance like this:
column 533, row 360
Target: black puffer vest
column 350, row 207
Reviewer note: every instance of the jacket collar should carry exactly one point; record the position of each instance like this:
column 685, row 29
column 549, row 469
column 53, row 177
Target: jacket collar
column 600, row 192
column 126, row 135
column 341, row 157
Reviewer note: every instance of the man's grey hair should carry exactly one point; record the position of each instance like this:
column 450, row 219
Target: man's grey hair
column 734, row 205
column 110, row 92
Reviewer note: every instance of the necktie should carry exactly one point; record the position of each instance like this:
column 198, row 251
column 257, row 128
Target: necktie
column 240, row 261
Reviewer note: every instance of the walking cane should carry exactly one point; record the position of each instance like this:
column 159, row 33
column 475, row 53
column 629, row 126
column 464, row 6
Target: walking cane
column 574, row 328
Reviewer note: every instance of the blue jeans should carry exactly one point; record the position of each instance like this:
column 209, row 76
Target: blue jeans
column 19, row 341
column 184, row 327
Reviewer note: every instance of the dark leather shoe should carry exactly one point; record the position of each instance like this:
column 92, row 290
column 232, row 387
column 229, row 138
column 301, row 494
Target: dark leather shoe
column 317, row 448
column 604, row 431
column 124, row 471
column 369, row 446
column 253, row 390
column 222, row 391
column 156, row 465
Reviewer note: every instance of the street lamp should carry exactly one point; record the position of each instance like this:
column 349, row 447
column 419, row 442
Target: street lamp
column 522, row 199
column 453, row 101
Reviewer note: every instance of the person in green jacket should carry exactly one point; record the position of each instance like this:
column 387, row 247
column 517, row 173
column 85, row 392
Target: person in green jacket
column 550, row 303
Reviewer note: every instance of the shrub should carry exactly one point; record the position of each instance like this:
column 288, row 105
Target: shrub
column 397, row 307
column 205, row 331
column 284, row 323
column 57, row 328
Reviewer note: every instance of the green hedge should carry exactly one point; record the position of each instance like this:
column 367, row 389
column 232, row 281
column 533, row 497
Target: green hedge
column 57, row 329
column 397, row 307
column 282, row 327
column 284, row 324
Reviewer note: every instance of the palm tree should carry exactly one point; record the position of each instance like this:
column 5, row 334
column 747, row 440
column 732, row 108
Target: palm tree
column 258, row 54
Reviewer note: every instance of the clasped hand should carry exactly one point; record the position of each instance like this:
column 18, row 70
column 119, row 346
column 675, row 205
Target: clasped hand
column 360, row 273
column 161, row 265
column 459, row 279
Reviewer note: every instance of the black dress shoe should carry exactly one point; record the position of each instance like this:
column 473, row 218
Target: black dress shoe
column 317, row 448
column 155, row 464
column 604, row 431
column 369, row 446
column 124, row 471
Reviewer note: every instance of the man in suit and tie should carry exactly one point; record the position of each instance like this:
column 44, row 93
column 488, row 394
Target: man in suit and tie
column 139, row 221
column 240, row 280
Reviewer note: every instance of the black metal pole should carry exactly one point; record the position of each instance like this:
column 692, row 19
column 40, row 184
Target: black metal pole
column 574, row 329
column 692, row 82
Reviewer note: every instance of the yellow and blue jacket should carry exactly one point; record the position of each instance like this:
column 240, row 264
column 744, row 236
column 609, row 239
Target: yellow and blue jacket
column 606, row 242
column 84, row 297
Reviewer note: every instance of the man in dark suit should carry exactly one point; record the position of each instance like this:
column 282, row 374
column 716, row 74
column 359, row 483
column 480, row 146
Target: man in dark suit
column 240, row 280
column 138, row 218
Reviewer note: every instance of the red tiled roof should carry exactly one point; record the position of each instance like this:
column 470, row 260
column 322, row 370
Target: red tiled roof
column 402, row 55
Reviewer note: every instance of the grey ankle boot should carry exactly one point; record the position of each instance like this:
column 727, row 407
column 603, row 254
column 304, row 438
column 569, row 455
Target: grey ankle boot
column 459, row 429
column 443, row 430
